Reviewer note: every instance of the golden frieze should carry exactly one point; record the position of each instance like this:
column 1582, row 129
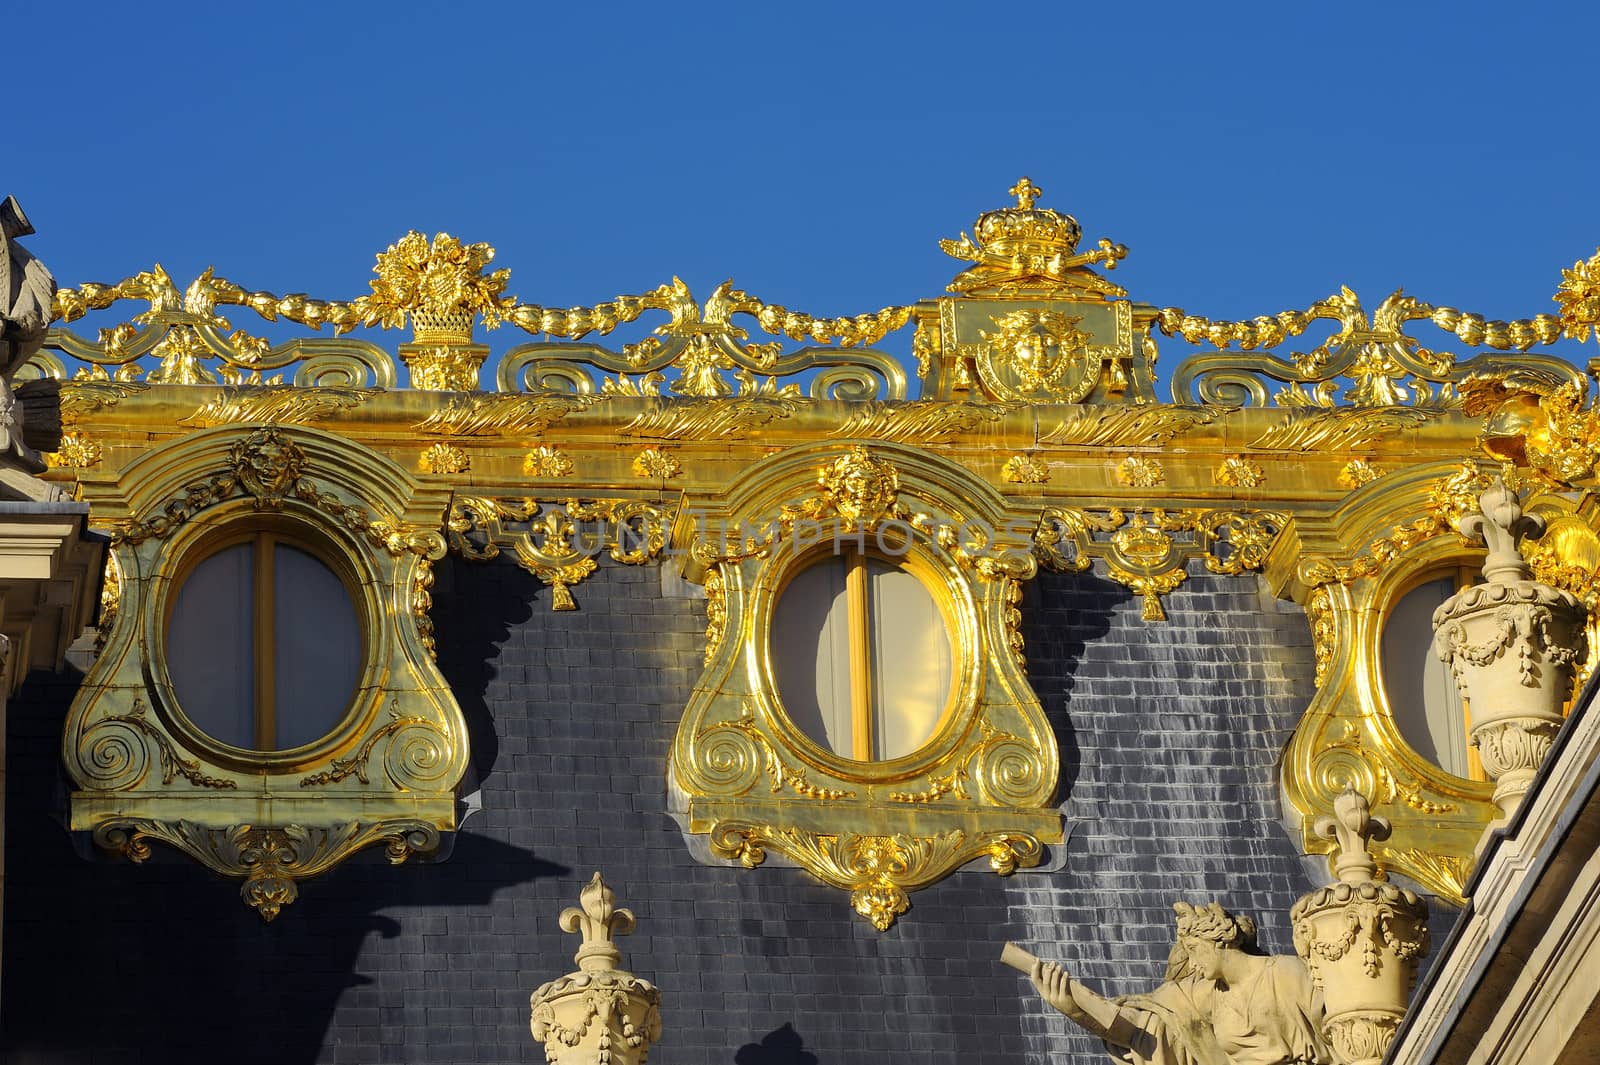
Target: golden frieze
column 84, row 397
column 501, row 414
column 1339, row 428
column 700, row 419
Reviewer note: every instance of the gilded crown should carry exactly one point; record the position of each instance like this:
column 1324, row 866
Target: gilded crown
column 1027, row 229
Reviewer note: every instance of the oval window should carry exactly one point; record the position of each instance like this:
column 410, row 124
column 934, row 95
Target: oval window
column 861, row 654
column 264, row 648
column 1420, row 689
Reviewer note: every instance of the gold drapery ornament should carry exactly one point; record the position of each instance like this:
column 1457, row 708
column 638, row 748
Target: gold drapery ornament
column 558, row 542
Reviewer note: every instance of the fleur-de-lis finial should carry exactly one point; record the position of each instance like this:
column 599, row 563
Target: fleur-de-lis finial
column 1501, row 524
column 1353, row 825
column 599, row 918
column 1026, row 192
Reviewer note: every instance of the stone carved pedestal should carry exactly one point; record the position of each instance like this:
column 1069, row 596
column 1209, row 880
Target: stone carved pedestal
column 600, row 1015
column 1361, row 938
column 1514, row 646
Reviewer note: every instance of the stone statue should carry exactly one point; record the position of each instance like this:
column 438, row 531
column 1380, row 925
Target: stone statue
column 1223, row 1002
column 27, row 291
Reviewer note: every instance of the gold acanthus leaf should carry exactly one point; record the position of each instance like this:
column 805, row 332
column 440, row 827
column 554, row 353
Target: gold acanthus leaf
column 918, row 420
column 1130, row 426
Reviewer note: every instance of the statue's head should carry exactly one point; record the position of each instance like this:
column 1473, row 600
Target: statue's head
column 1205, row 933
column 13, row 223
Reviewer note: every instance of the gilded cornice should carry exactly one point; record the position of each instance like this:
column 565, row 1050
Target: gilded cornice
column 1320, row 446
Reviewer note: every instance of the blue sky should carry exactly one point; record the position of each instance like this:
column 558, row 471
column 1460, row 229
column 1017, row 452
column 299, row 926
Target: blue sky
column 1252, row 157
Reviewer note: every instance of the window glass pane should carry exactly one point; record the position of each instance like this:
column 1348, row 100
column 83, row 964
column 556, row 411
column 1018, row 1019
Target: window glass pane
column 811, row 654
column 317, row 639
column 910, row 660
column 1421, row 692
column 210, row 646
column 908, row 655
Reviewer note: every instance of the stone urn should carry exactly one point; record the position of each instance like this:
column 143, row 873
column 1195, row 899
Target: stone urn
column 1361, row 938
column 1514, row 646
column 601, row 1014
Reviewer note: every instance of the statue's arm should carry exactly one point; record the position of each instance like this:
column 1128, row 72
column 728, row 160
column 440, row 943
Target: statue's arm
column 1098, row 1015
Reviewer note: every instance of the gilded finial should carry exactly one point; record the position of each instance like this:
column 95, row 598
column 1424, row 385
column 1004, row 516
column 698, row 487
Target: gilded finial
column 1026, row 192
column 598, row 918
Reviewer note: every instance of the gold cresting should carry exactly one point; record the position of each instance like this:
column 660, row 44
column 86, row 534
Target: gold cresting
column 1321, row 447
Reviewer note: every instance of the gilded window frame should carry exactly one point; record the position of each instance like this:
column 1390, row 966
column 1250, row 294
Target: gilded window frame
column 1347, row 566
column 743, row 776
column 387, row 775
